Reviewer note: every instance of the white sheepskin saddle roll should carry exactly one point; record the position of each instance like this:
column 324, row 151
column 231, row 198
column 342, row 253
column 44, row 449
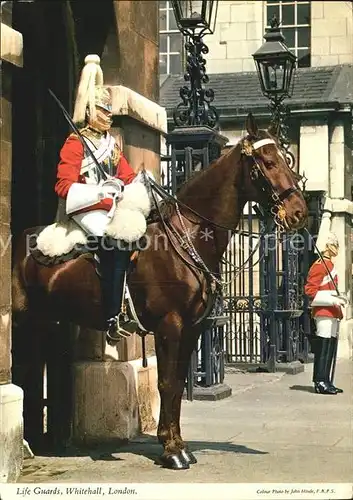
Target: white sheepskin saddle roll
column 127, row 222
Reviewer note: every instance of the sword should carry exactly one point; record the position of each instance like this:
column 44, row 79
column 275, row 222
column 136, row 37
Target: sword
column 76, row 130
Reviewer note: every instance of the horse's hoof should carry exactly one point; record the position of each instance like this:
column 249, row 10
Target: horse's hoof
column 188, row 457
column 175, row 462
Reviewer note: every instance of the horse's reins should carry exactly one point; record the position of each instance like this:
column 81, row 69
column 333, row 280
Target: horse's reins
column 248, row 149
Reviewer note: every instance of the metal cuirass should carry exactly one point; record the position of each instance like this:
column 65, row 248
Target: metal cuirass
column 106, row 152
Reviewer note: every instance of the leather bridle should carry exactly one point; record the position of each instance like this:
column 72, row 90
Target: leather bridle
column 257, row 174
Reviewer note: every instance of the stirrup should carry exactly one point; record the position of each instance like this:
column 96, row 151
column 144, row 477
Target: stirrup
column 112, row 327
column 120, row 327
column 126, row 325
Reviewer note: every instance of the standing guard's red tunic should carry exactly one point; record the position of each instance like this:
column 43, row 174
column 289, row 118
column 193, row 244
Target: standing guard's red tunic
column 69, row 168
column 319, row 279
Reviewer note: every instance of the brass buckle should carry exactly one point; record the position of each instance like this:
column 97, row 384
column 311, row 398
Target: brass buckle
column 281, row 213
column 275, row 197
column 247, row 148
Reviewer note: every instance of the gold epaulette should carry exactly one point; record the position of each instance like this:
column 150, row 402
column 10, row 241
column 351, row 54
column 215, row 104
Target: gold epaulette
column 84, row 130
column 73, row 134
column 319, row 261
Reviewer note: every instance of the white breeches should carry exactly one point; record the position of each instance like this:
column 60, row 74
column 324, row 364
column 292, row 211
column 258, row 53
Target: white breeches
column 93, row 222
column 326, row 327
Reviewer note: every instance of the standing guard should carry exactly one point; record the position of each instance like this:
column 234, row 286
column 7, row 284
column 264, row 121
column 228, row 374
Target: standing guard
column 91, row 197
column 321, row 286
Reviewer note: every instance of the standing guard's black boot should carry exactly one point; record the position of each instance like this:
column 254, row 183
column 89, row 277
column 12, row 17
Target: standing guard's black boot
column 113, row 264
column 322, row 352
column 331, row 354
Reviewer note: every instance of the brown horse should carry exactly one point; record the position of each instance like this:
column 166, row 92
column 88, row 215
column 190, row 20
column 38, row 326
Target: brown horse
column 168, row 285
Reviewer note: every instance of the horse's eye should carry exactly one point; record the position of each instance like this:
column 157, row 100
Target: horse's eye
column 269, row 163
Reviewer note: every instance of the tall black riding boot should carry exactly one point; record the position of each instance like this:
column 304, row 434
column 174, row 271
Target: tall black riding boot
column 331, row 354
column 113, row 264
column 320, row 366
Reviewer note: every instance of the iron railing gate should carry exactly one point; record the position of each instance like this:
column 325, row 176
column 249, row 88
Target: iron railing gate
column 269, row 317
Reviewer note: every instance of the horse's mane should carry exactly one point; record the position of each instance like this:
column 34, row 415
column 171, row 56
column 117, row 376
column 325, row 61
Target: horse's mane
column 198, row 175
column 167, row 206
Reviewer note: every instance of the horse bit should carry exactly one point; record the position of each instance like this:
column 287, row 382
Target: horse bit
column 278, row 209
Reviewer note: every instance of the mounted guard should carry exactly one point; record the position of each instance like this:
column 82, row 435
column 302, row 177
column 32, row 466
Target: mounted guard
column 100, row 195
column 321, row 287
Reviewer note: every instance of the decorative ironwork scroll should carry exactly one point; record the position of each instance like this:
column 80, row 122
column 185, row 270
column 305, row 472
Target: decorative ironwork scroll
column 196, row 108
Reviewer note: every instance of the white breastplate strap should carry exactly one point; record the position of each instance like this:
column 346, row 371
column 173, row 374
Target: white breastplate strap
column 262, row 142
column 327, row 278
column 105, row 149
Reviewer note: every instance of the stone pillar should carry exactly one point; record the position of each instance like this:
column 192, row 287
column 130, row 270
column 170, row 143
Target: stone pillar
column 330, row 142
column 340, row 171
column 314, row 138
column 11, row 396
column 337, row 174
column 140, row 122
column 115, row 397
column 342, row 226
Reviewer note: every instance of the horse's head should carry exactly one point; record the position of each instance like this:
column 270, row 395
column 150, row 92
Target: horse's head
column 271, row 182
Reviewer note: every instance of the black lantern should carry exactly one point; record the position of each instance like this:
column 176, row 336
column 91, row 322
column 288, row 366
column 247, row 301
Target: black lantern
column 195, row 16
column 275, row 64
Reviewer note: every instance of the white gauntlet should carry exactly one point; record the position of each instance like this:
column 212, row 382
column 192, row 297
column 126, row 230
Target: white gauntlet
column 328, row 298
column 112, row 188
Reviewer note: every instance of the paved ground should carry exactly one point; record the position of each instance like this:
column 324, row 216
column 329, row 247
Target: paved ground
column 272, row 429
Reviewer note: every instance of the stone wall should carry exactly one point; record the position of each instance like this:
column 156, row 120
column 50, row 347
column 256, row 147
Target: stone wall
column 238, row 34
column 130, row 64
column 11, row 396
column 331, row 33
column 314, row 138
column 326, row 158
column 5, row 231
column 240, row 27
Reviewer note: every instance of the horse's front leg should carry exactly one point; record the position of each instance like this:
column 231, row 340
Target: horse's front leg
column 173, row 349
column 188, row 343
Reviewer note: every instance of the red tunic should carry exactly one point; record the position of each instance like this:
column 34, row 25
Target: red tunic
column 319, row 279
column 69, row 168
